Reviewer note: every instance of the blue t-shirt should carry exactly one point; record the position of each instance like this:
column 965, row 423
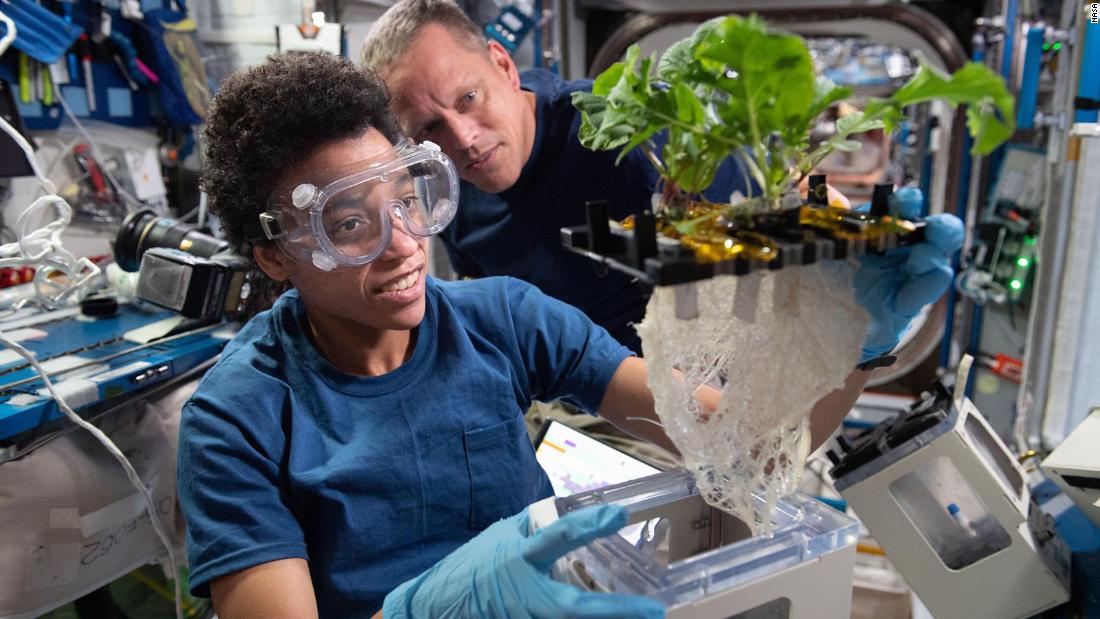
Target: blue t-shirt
column 375, row 479
column 517, row 232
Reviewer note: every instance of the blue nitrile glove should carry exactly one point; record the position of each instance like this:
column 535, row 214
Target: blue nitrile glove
column 503, row 572
column 895, row 286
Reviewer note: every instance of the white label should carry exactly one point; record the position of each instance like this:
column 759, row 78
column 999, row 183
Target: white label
column 1057, row 505
column 18, row 335
column 145, row 173
column 63, row 363
column 59, row 73
column 114, row 514
column 23, row 399
column 10, row 356
column 152, row 331
column 76, row 392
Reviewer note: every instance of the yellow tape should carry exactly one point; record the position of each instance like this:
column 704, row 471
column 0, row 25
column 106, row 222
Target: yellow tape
column 1073, row 148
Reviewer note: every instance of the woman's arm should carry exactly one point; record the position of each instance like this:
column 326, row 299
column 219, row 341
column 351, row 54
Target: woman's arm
column 628, row 404
column 830, row 411
column 270, row 590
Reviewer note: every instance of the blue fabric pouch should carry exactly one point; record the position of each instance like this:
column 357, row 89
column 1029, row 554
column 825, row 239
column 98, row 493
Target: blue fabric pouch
column 169, row 37
column 39, row 33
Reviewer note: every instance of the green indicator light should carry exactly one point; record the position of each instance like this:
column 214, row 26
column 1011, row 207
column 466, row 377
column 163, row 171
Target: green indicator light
column 1023, row 262
column 1046, row 46
column 1015, row 284
column 1030, row 240
column 1057, row 46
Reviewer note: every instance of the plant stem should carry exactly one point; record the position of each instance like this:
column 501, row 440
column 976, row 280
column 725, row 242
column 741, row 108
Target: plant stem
column 744, row 169
column 655, row 160
column 754, row 169
column 770, row 191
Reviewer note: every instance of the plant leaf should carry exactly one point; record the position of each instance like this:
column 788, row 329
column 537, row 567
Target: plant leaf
column 636, row 140
column 856, row 122
column 688, row 107
column 991, row 116
column 826, row 93
column 768, row 79
column 736, row 86
column 603, row 83
column 675, row 62
column 690, row 160
column 771, row 71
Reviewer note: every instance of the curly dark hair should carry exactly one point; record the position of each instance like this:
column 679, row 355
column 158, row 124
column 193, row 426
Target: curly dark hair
column 268, row 117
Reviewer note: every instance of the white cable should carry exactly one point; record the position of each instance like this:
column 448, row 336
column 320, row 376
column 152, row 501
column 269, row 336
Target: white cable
column 9, row 35
column 42, row 248
column 187, row 216
column 99, row 155
column 29, row 152
column 113, row 449
column 74, row 183
column 66, row 149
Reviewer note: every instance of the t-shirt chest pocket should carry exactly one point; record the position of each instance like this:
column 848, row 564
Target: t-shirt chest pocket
column 499, row 459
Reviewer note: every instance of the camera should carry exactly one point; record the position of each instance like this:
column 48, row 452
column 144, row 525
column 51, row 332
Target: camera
column 197, row 287
column 183, row 269
column 142, row 230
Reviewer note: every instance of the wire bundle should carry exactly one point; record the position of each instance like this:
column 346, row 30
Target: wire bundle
column 42, row 248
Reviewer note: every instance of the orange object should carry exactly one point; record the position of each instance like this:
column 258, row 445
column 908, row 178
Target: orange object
column 869, row 549
column 1008, row 367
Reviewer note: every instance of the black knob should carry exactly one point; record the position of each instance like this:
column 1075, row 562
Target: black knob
column 99, row 306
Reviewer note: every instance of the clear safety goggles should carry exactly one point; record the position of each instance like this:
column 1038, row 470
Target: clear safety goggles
column 345, row 217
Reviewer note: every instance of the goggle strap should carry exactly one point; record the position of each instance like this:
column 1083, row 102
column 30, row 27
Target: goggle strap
column 272, row 224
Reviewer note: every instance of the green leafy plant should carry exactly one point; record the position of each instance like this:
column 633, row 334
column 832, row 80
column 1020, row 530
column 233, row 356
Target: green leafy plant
column 738, row 87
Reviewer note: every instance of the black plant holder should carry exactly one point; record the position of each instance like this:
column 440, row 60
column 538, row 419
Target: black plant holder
column 638, row 252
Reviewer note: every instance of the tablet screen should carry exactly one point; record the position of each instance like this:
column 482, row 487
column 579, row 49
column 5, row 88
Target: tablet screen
column 575, row 462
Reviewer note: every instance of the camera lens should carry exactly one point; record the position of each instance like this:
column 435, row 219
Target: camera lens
column 142, row 230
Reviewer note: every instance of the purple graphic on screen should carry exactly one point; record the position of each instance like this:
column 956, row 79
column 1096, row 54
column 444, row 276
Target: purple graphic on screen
column 573, row 487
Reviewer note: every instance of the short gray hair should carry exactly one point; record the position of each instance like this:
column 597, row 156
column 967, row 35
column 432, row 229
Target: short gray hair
column 398, row 26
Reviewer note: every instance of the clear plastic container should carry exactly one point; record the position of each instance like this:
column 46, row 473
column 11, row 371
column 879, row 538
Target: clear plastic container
column 687, row 550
